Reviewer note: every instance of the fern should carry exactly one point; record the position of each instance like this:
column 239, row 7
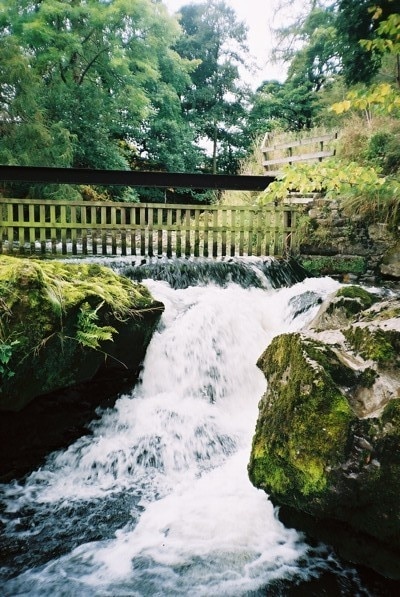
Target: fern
column 89, row 334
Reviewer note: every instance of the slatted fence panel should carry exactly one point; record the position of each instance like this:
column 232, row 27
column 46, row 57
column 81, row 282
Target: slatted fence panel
column 86, row 228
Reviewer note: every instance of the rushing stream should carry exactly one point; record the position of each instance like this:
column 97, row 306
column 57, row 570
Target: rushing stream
column 156, row 501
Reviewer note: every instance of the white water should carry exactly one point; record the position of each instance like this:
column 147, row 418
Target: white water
column 166, row 468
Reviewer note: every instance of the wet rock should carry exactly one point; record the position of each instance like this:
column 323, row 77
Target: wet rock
column 327, row 440
column 390, row 266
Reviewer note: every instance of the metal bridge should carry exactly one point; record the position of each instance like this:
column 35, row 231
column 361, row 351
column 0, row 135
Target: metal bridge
column 54, row 227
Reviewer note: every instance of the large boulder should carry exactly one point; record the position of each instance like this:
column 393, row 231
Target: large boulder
column 61, row 323
column 327, row 441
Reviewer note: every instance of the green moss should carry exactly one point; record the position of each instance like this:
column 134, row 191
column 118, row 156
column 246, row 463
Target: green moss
column 266, row 466
column 390, row 313
column 353, row 300
column 314, row 477
column 356, row 292
column 379, row 345
column 391, row 414
column 58, row 286
column 321, row 265
column 304, row 420
column 367, row 377
column 324, row 355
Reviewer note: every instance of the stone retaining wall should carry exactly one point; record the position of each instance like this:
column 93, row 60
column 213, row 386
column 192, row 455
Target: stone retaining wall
column 349, row 249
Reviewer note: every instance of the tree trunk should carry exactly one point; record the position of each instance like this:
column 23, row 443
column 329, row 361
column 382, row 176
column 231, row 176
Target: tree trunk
column 214, row 154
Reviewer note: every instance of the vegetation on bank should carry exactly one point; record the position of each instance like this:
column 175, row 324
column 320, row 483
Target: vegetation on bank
column 361, row 101
column 53, row 316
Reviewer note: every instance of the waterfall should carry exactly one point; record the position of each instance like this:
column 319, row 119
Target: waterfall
column 156, row 500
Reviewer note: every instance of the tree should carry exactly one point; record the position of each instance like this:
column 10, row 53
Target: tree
column 26, row 135
column 356, row 21
column 166, row 139
column 387, row 40
column 289, row 106
column 91, row 74
column 325, row 41
column 214, row 102
column 318, row 60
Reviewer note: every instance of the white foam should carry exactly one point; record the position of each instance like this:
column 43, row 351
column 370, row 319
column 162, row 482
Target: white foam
column 181, row 442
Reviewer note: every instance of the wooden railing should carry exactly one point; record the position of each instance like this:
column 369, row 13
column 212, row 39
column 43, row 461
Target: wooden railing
column 97, row 228
column 278, row 152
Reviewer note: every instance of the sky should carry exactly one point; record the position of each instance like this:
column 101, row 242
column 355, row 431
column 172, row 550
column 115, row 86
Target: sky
column 259, row 18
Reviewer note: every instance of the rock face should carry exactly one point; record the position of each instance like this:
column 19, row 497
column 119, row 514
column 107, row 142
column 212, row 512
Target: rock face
column 349, row 249
column 62, row 323
column 327, row 441
column 390, row 266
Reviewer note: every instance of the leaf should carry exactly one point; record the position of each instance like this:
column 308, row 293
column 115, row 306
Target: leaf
column 89, row 334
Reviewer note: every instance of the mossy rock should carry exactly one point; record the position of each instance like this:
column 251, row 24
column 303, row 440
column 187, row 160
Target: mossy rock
column 327, row 441
column 304, row 421
column 342, row 308
column 377, row 344
column 43, row 345
column 313, row 453
column 335, row 265
column 390, row 266
column 356, row 298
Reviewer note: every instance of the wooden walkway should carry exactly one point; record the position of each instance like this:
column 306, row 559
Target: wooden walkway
column 47, row 227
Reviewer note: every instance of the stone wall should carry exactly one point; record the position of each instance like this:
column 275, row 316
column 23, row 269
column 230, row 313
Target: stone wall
column 350, row 249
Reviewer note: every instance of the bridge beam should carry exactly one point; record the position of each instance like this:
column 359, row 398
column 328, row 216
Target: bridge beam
column 37, row 174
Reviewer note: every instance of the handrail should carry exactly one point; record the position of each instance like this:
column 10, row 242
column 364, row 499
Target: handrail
column 287, row 152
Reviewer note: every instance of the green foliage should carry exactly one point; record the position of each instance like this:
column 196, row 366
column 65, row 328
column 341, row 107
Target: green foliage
column 381, row 99
column 317, row 61
column 6, row 351
column 90, row 334
column 355, row 22
column 78, row 77
column 214, row 101
column 388, row 32
column 331, row 177
column 289, row 106
column 362, row 188
column 384, row 150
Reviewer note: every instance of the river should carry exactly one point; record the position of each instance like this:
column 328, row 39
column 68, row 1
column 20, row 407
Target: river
column 156, row 500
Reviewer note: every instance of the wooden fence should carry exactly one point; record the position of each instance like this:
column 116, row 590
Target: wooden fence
column 278, row 152
column 97, row 228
